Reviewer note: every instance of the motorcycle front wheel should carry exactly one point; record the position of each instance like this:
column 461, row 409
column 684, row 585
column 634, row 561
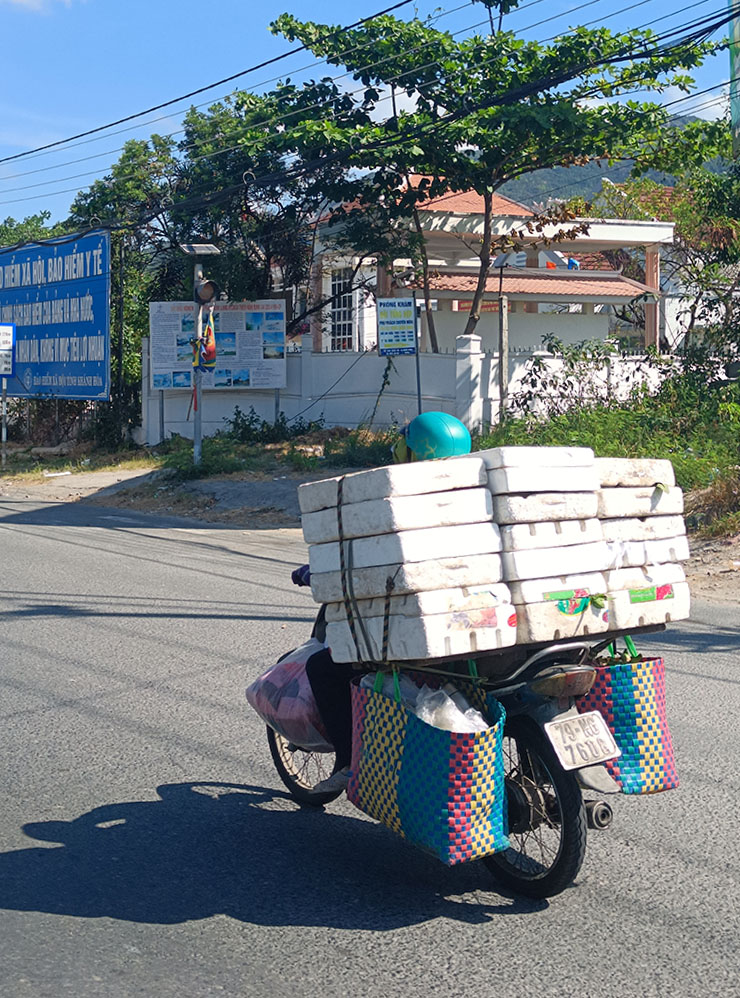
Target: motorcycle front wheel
column 301, row 770
column 547, row 817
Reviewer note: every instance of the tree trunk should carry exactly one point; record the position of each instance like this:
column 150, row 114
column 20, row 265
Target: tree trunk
column 485, row 263
column 431, row 328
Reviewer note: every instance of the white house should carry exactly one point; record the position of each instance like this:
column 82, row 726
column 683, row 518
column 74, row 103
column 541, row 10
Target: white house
column 554, row 290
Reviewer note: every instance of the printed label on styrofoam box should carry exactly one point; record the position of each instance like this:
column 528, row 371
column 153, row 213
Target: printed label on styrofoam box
column 651, row 594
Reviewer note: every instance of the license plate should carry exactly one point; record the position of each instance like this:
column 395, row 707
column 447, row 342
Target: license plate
column 582, row 740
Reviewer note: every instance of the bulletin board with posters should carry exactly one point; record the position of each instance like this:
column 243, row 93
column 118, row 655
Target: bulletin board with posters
column 250, row 345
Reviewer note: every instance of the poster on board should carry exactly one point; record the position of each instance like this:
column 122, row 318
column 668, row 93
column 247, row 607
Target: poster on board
column 250, row 345
column 396, row 326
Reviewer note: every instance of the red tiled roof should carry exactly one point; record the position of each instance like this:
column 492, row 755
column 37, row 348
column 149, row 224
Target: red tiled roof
column 468, row 202
column 546, row 285
column 592, row 261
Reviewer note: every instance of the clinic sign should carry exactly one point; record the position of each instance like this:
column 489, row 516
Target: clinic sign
column 57, row 295
column 396, row 326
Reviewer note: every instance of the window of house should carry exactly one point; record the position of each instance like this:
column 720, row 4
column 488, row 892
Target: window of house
column 342, row 337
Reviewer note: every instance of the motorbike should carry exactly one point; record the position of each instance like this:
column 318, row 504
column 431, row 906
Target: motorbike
column 553, row 755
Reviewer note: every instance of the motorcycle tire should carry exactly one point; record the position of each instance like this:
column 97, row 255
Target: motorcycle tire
column 547, row 816
column 300, row 770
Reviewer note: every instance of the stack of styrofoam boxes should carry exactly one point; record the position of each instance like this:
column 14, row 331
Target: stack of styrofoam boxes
column 640, row 508
column 427, row 526
column 554, row 554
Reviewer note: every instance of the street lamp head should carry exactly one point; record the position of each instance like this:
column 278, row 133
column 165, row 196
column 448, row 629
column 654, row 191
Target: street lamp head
column 200, row 249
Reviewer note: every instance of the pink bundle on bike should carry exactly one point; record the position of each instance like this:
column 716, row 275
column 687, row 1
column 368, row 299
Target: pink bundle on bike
column 630, row 696
column 283, row 698
column 441, row 790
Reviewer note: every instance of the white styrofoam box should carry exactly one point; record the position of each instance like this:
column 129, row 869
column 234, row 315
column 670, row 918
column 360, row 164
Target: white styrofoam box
column 654, row 605
column 635, row 472
column 385, row 516
column 648, row 528
column 416, row 478
column 523, row 480
column 407, row 545
column 553, row 620
column 644, row 577
column 421, row 576
column 561, row 587
column 439, row 635
column 541, row 506
column 541, row 563
column 631, row 554
column 431, row 602
column 536, row 457
column 645, row 501
column 560, row 533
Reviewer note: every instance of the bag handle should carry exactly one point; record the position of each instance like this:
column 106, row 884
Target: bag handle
column 378, row 684
column 629, row 645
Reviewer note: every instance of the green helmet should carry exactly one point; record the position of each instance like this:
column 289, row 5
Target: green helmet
column 437, row 434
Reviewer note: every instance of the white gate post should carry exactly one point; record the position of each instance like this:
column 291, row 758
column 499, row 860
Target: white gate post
column 468, row 400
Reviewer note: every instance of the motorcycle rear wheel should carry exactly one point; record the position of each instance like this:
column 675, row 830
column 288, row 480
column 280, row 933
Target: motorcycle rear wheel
column 301, row 770
column 547, row 817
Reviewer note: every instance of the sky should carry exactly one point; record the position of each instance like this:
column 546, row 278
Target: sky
column 74, row 65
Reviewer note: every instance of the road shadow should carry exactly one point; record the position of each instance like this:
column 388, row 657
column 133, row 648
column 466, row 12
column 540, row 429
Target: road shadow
column 694, row 636
column 244, row 851
column 81, row 513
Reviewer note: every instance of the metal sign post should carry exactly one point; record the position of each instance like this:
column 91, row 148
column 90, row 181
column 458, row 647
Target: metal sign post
column 7, row 370
column 5, row 423
column 197, row 377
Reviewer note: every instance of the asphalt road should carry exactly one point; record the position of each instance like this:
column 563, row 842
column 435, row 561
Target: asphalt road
column 146, row 848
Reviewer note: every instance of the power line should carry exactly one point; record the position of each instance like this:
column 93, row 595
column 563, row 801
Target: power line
column 527, row 91
column 290, row 114
column 40, row 150
column 277, row 119
column 200, row 90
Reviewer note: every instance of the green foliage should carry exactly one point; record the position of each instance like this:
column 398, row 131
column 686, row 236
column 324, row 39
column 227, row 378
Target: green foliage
column 249, row 428
column 218, row 457
column 361, row 448
column 692, row 419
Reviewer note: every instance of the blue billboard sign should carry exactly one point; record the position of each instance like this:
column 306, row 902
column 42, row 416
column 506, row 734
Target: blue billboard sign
column 57, row 294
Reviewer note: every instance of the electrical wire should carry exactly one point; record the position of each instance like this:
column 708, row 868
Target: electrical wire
column 200, row 90
column 267, row 122
column 333, row 385
column 254, row 87
column 629, row 53
column 290, row 114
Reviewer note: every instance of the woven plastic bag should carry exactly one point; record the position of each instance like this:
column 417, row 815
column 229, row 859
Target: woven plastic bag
column 630, row 696
column 442, row 790
column 283, row 698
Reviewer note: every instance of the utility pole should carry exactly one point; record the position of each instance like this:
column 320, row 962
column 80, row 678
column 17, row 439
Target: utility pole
column 197, row 373
column 205, row 292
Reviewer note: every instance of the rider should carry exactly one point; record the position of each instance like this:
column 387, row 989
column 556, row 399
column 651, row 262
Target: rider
column 430, row 435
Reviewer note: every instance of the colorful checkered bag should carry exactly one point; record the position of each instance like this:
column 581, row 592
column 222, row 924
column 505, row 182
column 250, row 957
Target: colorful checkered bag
column 442, row 790
column 630, row 696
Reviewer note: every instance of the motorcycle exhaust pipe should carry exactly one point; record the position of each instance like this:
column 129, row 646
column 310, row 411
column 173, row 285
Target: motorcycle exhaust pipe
column 598, row 814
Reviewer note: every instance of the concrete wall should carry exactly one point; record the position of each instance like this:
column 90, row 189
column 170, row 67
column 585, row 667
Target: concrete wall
column 343, row 389
column 526, row 329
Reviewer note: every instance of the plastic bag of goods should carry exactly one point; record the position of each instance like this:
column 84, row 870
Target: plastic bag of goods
column 283, row 698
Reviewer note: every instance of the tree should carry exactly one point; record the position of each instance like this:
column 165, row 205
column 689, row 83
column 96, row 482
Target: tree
column 703, row 264
column 485, row 110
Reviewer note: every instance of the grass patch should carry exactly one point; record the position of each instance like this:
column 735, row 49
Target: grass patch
column 24, row 465
column 698, row 431
column 715, row 510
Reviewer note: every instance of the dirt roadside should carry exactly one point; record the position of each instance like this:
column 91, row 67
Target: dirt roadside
column 265, row 501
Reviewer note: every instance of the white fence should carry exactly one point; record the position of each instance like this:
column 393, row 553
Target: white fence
column 344, row 389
